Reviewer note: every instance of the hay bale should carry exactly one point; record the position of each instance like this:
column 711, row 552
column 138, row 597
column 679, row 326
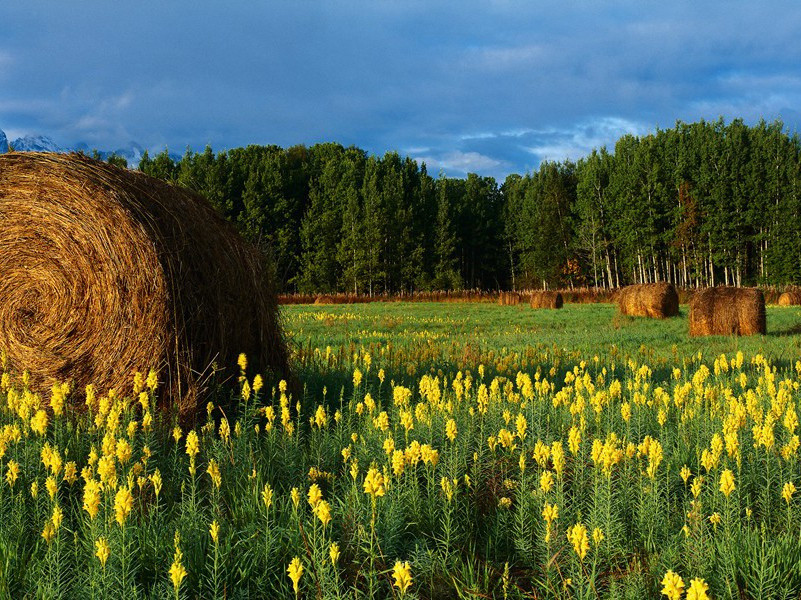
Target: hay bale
column 727, row 311
column 324, row 299
column 509, row 298
column 108, row 271
column 790, row 298
column 546, row 300
column 655, row 300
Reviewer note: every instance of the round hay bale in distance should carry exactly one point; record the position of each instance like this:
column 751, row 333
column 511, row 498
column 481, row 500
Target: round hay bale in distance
column 654, row 300
column 108, row 271
column 546, row 299
column 790, row 298
column 324, row 299
column 727, row 311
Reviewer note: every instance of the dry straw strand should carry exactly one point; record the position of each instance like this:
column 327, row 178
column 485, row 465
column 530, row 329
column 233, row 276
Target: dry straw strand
column 108, row 271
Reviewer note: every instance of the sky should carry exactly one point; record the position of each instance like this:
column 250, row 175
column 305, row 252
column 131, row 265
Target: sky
column 492, row 87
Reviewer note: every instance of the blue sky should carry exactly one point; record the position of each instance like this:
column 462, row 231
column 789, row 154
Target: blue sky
column 491, row 87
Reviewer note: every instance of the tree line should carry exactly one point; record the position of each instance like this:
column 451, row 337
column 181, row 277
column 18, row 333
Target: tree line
column 700, row 204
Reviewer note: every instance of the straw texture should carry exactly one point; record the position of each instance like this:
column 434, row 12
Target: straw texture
column 107, row 271
column 727, row 311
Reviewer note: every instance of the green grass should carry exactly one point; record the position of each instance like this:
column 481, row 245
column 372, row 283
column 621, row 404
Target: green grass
column 577, row 331
column 486, row 393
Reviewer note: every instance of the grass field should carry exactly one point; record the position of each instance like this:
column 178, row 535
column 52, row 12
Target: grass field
column 439, row 451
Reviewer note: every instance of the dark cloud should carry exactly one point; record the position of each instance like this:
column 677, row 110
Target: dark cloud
column 491, row 87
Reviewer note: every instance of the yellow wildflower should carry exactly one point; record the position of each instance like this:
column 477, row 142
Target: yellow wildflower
column 322, row 511
column 192, row 444
column 123, row 503
column 402, row 574
column 267, row 496
column 102, row 550
column 672, row 586
column 450, row 430
column 727, row 482
column 91, row 497
column 295, row 571
column 577, row 536
column 374, row 483
column 333, row 552
column 787, row 491
column 315, row 495
column 697, row 590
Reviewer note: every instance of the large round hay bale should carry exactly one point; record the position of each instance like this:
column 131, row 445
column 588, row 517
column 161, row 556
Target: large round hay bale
column 546, row 300
column 655, row 300
column 790, row 298
column 106, row 272
column 324, row 299
column 727, row 311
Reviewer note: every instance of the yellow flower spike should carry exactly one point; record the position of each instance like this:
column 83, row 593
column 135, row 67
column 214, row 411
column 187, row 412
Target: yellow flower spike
column 57, row 517
column 295, row 572
column 214, row 532
column 787, row 492
column 51, row 486
column 39, row 422
column 577, row 536
column 672, row 586
column 123, row 504
column 192, row 444
column 267, row 496
column 333, row 553
column 727, row 482
column 357, row 378
column 102, row 550
column 177, row 571
column 295, row 495
column 546, row 481
column 152, row 380
column 242, row 361
column 177, row 434
column 155, row 479
column 49, row 532
column 214, row 472
column 323, row 512
column 91, row 497
column 685, row 475
column 450, row 430
column 697, row 590
column 315, row 495
column 374, row 483
column 402, row 574
column 12, row 473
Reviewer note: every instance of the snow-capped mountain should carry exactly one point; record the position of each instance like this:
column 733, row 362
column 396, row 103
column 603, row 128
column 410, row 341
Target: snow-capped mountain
column 35, row 143
column 40, row 143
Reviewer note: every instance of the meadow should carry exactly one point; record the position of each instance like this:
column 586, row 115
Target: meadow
column 437, row 451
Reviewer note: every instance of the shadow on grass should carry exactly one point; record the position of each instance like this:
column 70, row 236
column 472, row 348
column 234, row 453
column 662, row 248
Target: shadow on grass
column 794, row 330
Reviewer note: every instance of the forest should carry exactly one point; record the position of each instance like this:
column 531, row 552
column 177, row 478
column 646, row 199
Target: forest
column 704, row 203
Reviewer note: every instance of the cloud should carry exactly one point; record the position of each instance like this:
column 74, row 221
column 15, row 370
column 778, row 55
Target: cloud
column 457, row 163
column 491, row 87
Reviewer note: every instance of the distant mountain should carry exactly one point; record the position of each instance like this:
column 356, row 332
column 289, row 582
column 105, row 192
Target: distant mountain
column 35, row 143
column 39, row 143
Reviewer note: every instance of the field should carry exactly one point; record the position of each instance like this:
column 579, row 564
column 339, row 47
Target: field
column 439, row 451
